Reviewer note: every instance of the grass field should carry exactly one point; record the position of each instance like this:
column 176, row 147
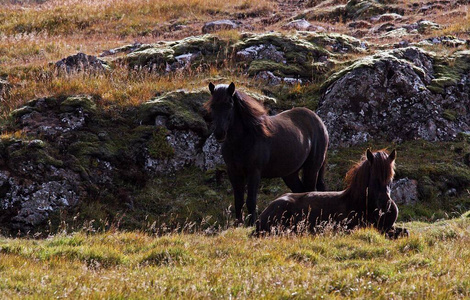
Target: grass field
column 432, row 263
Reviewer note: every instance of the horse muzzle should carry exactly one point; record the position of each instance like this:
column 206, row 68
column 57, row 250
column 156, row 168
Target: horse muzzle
column 220, row 136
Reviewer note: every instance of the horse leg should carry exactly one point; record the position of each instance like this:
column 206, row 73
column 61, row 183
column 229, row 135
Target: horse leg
column 293, row 182
column 252, row 193
column 396, row 232
column 238, row 185
column 386, row 222
column 313, row 170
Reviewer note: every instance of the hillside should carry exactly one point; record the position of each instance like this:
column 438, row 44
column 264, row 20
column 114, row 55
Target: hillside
column 102, row 116
column 112, row 184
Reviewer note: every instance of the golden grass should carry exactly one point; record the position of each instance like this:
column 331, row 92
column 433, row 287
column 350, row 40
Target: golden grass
column 114, row 16
column 431, row 263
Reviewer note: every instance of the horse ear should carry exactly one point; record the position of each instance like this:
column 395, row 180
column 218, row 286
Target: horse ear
column 370, row 156
column 231, row 89
column 392, row 155
column 211, row 87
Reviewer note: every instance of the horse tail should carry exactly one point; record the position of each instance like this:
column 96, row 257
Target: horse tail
column 321, row 178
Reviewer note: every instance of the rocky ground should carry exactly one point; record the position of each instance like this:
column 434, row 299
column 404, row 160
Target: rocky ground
column 390, row 74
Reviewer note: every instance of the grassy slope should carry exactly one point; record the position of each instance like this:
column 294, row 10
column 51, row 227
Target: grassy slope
column 431, row 263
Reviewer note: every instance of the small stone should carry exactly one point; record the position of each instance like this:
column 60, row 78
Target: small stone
column 218, row 26
column 81, row 62
column 405, row 191
column 300, row 24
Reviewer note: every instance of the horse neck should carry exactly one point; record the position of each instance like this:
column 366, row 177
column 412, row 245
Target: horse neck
column 244, row 125
column 236, row 131
column 357, row 192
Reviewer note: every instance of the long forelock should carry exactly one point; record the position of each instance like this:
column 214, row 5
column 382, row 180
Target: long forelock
column 382, row 168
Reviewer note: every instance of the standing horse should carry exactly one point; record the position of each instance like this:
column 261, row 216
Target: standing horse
column 256, row 145
column 366, row 201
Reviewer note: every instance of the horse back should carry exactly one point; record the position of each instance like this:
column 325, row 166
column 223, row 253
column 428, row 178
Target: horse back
column 295, row 134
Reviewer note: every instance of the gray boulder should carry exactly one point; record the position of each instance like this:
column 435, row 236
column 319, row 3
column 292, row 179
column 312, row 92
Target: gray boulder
column 395, row 95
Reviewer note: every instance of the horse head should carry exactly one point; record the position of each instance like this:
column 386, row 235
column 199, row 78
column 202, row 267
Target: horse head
column 381, row 176
column 221, row 109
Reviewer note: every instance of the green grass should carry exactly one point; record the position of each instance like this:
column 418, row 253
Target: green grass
column 431, row 263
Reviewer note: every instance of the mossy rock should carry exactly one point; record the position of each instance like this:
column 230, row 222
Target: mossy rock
column 183, row 110
column 396, row 55
column 299, row 54
column 361, row 9
column 146, row 56
column 35, row 151
column 352, row 10
column 72, row 103
column 206, row 44
column 348, row 43
column 155, row 140
column 40, row 104
column 159, row 56
column 18, row 113
column 449, row 70
column 330, row 13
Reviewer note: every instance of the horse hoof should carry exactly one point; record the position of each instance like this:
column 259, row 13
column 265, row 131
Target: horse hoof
column 396, row 233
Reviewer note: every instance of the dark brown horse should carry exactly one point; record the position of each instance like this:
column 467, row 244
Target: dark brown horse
column 366, row 201
column 256, row 145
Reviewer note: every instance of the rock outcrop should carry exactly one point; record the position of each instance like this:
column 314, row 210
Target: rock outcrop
column 304, row 56
column 68, row 149
column 81, row 62
column 397, row 95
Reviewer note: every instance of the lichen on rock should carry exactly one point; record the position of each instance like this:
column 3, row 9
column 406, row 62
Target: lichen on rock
column 387, row 96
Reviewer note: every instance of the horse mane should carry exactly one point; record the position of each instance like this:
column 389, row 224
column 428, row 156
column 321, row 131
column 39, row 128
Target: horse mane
column 357, row 177
column 254, row 114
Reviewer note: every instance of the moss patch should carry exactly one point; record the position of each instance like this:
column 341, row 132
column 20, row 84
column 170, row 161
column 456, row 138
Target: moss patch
column 449, row 70
column 158, row 146
column 85, row 102
column 182, row 109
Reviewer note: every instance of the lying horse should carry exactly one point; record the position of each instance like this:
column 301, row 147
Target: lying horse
column 366, row 201
column 256, row 145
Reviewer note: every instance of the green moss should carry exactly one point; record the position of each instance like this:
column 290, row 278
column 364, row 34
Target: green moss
column 279, row 69
column 146, row 56
column 464, row 137
column 207, row 44
column 361, row 9
column 448, row 71
column 183, row 109
column 158, row 146
column 300, row 55
column 74, row 102
column 35, row 151
column 450, row 114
